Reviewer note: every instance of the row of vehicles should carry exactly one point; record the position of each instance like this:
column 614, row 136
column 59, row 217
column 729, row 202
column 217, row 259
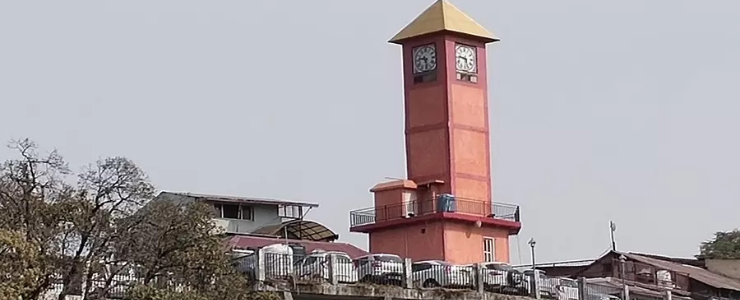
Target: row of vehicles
column 388, row 269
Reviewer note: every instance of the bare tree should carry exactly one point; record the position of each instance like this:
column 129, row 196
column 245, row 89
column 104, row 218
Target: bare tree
column 107, row 192
column 70, row 226
column 101, row 228
column 31, row 187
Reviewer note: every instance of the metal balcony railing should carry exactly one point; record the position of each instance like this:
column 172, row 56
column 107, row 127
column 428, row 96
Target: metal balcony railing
column 415, row 208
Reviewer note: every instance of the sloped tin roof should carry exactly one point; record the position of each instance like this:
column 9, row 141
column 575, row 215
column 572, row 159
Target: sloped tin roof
column 238, row 199
column 702, row 275
column 303, row 229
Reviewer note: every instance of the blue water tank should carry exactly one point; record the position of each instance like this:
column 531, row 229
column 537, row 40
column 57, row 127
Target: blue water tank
column 446, row 203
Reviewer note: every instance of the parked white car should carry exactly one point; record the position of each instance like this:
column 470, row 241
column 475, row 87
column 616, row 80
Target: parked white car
column 567, row 289
column 437, row 273
column 278, row 261
column 316, row 265
column 593, row 294
column 503, row 278
column 380, row 268
column 548, row 285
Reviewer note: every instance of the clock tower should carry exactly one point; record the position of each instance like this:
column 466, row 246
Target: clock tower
column 444, row 209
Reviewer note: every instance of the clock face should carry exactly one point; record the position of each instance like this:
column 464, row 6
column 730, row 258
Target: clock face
column 465, row 59
column 425, row 58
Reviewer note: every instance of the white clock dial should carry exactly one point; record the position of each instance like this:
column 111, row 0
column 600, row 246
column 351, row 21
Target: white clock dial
column 465, row 59
column 425, row 58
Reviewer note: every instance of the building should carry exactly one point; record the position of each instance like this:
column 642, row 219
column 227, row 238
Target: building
column 258, row 222
column 446, row 199
column 691, row 277
column 243, row 215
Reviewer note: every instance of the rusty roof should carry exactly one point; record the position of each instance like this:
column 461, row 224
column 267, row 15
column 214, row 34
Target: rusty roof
column 443, row 16
column 246, row 241
column 696, row 273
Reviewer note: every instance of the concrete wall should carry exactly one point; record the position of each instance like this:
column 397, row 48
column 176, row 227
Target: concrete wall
column 420, row 241
column 454, row 242
column 472, row 238
column 726, row 267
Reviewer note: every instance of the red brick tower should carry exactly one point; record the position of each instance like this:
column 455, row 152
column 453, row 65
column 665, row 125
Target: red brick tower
column 444, row 210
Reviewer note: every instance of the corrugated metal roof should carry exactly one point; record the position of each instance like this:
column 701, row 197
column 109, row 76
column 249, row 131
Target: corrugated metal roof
column 572, row 263
column 245, row 241
column 302, row 229
column 702, row 275
column 254, row 200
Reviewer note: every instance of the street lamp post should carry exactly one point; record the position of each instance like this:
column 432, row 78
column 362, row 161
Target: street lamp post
column 532, row 243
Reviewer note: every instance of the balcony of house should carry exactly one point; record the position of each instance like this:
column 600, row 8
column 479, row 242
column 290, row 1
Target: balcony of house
column 363, row 220
column 246, row 217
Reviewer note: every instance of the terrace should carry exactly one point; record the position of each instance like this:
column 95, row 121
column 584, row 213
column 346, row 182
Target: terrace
column 425, row 207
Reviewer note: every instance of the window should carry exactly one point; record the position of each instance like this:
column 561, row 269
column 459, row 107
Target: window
column 309, row 260
column 290, row 211
column 499, row 267
column 427, row 77
column 230, row 211
column 388, row 258
column 246, row 213
column 233, row 211
column 343, row 258
column 420, row 267
column 489, row 250
column 217, row 213
column 362, row 261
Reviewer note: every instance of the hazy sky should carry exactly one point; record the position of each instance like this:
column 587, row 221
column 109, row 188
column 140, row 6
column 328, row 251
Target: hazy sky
column 600, row 110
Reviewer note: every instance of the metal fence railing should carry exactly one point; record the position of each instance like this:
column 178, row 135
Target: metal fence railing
column 108, row 288
column 390, row 270
column 450, row 204
column 337, row 268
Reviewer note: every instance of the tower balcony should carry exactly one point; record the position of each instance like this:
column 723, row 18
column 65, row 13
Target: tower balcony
column 461, row 209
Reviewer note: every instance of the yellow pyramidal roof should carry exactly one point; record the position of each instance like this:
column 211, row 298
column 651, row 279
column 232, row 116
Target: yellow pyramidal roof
column 443, row 16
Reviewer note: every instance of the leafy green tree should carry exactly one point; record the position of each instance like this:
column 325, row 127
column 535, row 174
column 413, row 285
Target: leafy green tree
column 724, row 245
column 19, row 268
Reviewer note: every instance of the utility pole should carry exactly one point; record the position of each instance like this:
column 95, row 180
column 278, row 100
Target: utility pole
column 612, row 229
